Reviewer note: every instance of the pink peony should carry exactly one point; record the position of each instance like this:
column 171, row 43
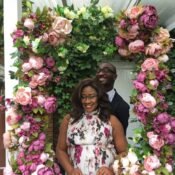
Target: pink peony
column 136, row 46
column 153, row 49
column 155, row 141
column 151, row 163
column 150, row 64
column 139, row 86
column 23, row 95
column 50, row 104
column 119, row 41
column 29, row 23
column 148, row 100
column 141, row 76
column 36, row 62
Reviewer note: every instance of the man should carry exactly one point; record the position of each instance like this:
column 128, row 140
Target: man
column 107, row 75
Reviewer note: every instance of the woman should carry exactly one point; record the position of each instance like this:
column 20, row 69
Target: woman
column 90, row 137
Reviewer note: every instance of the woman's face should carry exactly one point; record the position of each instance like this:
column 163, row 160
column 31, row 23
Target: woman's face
column 89, row 99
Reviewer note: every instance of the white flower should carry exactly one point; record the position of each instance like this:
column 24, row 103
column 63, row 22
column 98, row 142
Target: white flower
column 44, row 157
column 35, row 44
column 125, row 161
column 132, row 158
column 169, row 167
column 163, row 58
column 26, row 40
column 116, row 166
column 107, row 11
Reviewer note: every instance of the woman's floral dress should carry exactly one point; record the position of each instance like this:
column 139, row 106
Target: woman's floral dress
column 90, row 144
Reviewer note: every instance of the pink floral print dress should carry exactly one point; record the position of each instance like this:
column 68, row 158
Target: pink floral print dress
column 90, row 144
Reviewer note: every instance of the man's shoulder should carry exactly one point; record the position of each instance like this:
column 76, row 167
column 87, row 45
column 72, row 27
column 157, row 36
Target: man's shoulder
column 119, row 100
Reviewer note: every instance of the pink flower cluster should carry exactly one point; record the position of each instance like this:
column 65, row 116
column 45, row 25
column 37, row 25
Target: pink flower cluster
column 138, row 33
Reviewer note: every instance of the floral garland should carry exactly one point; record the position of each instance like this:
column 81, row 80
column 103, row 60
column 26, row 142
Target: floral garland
column 140, row 38
column 46, row 44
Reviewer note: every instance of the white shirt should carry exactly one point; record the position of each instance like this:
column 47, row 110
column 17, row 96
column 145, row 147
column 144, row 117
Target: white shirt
column 111, row 94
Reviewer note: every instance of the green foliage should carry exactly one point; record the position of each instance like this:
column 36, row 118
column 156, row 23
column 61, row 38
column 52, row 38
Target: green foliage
column 91, row 41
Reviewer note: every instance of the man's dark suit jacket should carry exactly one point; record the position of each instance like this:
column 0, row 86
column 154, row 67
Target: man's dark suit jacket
column 121, row 110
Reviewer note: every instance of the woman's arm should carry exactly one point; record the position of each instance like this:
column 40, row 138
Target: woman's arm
column 61, row 149
column 119, row 137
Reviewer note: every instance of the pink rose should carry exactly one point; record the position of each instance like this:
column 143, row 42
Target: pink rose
column 55, row 38
column 29, row 23
column 12, row 116
column 36, row 62
column 155, row 141
column 38, row 80
column 151, row 163
column 50, row 62
column 44, row 157
column 7, row 139
column 150, row 64
column 153, row 49
column 26, row 67
column 23, row 95
column 136, row 46
column 62, row 25
column 134, row 12
column 148, row 100
column 50, row 104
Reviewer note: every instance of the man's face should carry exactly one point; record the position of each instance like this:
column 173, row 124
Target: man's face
column 106, row 74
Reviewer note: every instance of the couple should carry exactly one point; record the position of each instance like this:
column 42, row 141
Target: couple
column 90, row 137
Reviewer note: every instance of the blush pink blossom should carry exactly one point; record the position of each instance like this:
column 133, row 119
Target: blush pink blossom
column 134, row 12
column 50, row 104
column 23, row 95
column 148, row 100
column 139, row 86
column 119, row 41
column 162, row 35
column 150, row 64
column 44, row 37
column 25, row 126
column 62, row 25
column 154, row 83
column 26, row 67
column 141, row 76
column 151, row 163
column 12, row 116
column 155, row 141
column 7, row 139
column 136, row 46
column 36, row 62
column 124, row 52
column 44, row 157
column 153, row 49
column 29, row 23
column 41, row 100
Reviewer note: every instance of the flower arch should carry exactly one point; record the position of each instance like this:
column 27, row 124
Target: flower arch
column 56, row 48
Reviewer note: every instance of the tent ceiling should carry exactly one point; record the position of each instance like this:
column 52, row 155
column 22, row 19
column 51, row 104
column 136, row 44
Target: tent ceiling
column 166, row 9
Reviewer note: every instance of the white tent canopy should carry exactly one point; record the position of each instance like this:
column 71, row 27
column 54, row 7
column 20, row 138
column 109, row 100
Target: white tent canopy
column 165, row 8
